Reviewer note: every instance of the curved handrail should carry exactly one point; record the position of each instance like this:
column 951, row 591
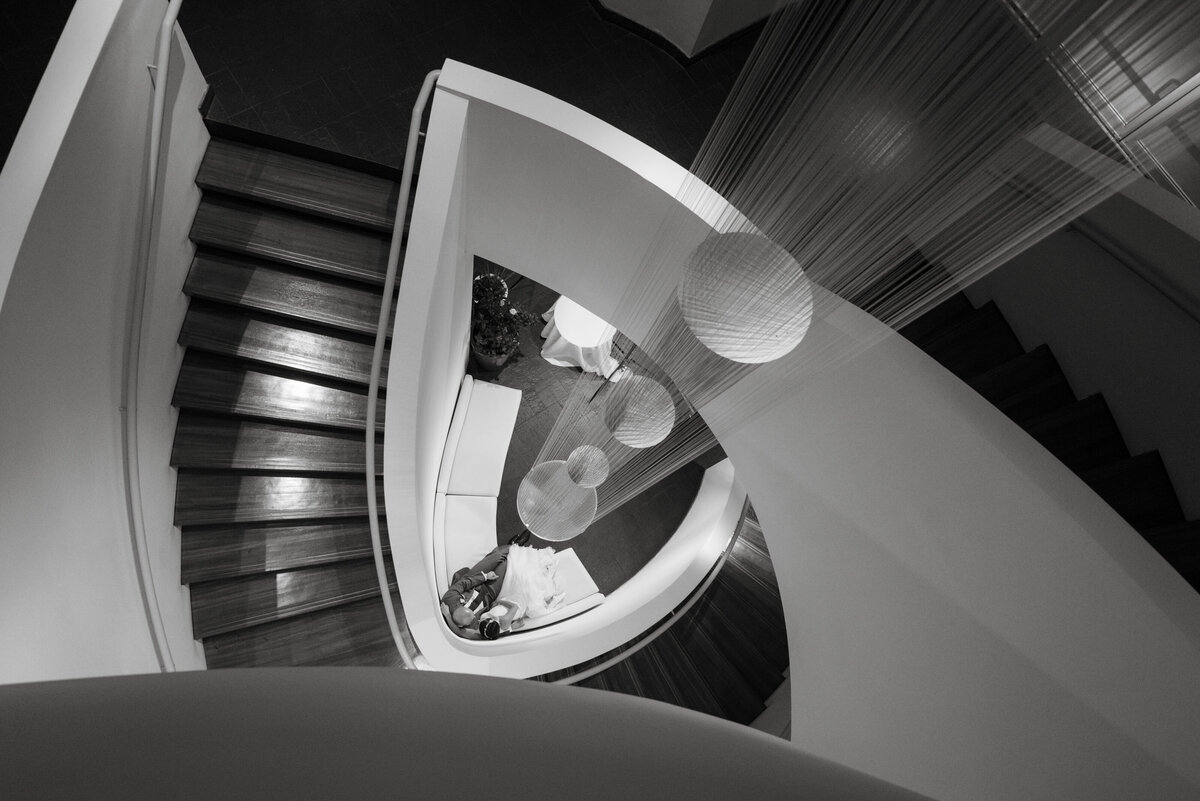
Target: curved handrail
column 676, row 614
column 133, row 343
column 403, row 643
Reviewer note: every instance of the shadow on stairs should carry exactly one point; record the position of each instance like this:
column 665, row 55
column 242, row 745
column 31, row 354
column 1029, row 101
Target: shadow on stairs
column 978, row 346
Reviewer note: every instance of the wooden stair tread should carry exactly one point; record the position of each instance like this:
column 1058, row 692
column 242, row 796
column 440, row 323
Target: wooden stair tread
column 687, row 684
column 733, row 693
column 760, row 623
column 754, row 558
column 1139, row 489
column 239, row 226
column 1083, row 435
column 210, row 442
column 213, row 384
column 1025, row 387
column 298, row 183
column 261, row 338
column 231, row 604
column 975, row 343
column 253, row 284
column 354, row 633
column 745, row 654
column 225, row 498
column 218, row 552
column 761, row 585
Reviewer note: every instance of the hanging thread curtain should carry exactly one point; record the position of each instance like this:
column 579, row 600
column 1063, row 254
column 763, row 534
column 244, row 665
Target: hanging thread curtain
column 875, row 153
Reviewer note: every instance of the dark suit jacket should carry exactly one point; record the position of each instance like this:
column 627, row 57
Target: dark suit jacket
column 469, row 586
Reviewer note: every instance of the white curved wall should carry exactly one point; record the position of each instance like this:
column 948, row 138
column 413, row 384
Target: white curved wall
column 253, row 734
column 965, row 618
column 69, row 599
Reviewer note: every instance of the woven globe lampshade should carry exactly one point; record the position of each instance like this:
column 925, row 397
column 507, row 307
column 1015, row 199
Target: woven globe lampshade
column 551, row 505
column 587, row 466
column 745, row 297
column 639, row 412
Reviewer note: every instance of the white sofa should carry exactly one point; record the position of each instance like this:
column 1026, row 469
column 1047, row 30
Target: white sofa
column 464, row 523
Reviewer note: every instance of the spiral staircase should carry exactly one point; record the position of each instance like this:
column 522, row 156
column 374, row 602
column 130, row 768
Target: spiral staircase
column 283, row 296
column 284, row 292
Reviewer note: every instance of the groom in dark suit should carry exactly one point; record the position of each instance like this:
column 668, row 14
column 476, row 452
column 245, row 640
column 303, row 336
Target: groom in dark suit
column 474, row 589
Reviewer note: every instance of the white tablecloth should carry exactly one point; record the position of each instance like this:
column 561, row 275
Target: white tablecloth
column 577, row 338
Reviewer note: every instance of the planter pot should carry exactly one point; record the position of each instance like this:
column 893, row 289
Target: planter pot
column 488, row 361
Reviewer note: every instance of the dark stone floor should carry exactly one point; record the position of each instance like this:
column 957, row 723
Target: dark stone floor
column 343, row 74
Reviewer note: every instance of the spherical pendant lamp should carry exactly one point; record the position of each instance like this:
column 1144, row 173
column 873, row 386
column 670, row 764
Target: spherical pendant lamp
column 745, row 297
column 639, row 412
column 587, row 466
column 551, row 505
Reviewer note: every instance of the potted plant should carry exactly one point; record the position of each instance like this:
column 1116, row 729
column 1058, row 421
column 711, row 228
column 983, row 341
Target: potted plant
column 495, row 322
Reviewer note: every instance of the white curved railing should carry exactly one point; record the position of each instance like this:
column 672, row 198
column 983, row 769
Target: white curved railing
column 133, row 345
column 403, row 642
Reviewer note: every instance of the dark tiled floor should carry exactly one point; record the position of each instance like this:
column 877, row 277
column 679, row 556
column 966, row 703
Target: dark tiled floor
column 343, row 74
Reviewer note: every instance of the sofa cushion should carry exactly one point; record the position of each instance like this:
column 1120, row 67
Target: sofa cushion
column 477, row 443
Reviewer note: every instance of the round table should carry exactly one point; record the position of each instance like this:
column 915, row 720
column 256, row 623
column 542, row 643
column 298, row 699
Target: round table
column 577, row 338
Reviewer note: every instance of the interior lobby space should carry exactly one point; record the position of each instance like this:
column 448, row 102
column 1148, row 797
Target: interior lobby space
column 775, row 398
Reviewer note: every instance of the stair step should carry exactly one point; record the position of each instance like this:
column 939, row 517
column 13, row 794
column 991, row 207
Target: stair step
column 1179, row 544
column 218, row 552
column 687, row 683
column 238, row 603
column 226, row 498
column 296, row 239
column 253, row 284
column 931, row 322
column 1083, row 435
column 619, row 678
column 974, row 343
column 761, row 583
column 735, row 695
column 261, row 338
column 746, row 655
column 641, row 674
column 1023, row 388
column 208, row 442
column 298, row 183
column 213, row 384
column 1139, row 489
column 762, row 623
column 354, row 634
column 754, row 558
